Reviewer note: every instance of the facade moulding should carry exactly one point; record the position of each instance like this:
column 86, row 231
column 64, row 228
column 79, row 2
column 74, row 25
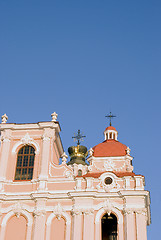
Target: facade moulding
column 26, row 140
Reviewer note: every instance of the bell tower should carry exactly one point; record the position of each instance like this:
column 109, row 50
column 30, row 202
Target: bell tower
column 126, row 211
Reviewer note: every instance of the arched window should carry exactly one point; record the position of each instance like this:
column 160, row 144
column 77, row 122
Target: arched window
column 109, row 227
column 25, row 163
column 79, row 172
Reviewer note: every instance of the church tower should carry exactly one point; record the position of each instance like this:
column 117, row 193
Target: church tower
column 98, row 197
column 126, row 212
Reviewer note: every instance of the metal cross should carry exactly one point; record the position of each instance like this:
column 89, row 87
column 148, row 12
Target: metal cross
column 110, row 116
column 79, row 137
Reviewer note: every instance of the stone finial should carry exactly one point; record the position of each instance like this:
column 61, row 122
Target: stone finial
column 64, row 158
column 4, row 118
column 128, row 150
column 91, row 151
column 54, row 116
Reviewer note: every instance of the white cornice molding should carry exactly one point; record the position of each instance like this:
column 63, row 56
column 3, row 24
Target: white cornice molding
column 66, row 194
column 28, row 126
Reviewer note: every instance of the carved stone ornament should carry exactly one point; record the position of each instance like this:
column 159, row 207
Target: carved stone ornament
column 64, row 157
column 47, row 135
column 6, row 136
column 54, row 116
column 128, row 211
column 107, row 206
column 88, row 211
column 102, row 186
column 39, row 212
column 141, row 211
column 69, row 174
column 90, row 168
column 4, row 118
column 26, row 140
column 109, row 165
column 76, row 211
column 128, row 150
column 17, row 209
column 58, row 211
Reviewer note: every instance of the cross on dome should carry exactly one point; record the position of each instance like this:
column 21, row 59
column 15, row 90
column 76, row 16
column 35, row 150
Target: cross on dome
column 110, row 132
column 79, row 137
column 110, row 116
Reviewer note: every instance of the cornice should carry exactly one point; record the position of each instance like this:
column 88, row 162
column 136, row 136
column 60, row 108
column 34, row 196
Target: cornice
column 28, row 126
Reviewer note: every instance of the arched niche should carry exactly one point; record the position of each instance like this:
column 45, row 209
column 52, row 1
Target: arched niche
column 58, row 229
column 49, row 225
column 16, row 228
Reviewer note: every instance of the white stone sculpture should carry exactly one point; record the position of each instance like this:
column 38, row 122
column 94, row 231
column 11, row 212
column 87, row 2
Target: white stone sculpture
column 4, row 118
column 54, row 116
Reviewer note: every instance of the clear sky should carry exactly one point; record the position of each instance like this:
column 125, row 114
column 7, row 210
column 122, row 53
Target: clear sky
column 83, row 59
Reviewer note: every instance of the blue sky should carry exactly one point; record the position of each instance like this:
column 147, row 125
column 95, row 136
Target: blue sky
column 83, row 59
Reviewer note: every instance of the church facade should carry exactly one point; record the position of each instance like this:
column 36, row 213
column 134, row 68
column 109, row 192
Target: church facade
column 100, row 198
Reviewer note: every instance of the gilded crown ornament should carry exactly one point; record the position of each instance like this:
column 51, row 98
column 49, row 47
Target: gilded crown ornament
column 78, row 153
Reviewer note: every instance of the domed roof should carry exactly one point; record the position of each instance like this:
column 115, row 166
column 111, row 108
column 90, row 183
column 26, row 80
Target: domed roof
column 109, row 148
column 110, row 128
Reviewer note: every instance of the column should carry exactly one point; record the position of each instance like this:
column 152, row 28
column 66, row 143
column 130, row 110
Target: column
column 130, row 226
column 88, row 228
column 77, row 225
column 5, row 153
column 141, row 224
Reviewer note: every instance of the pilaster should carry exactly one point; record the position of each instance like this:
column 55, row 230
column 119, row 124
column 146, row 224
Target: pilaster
column 6, row 139
column 39, row 220
column 88, row 228
column 141, row 224
column 77, row 224
column 130, row 226
column 46, row 141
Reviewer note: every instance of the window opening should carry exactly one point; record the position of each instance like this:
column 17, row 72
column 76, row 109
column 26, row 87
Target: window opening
column 108, row 180
column 109, row 227
column 25, row 163
column 79, row 172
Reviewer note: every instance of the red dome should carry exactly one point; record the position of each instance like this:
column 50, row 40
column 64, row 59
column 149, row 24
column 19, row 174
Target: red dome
column 110, row 128
column 109, row 148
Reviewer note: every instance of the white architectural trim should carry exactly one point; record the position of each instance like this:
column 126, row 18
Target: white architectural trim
column 49, row 221
column 9, row 215
column 26, row 140
column 15, row 206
